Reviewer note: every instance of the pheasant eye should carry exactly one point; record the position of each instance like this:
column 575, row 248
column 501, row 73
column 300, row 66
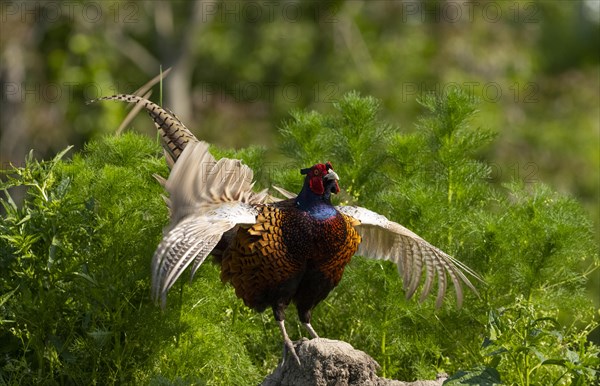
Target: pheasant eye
column 316, row 172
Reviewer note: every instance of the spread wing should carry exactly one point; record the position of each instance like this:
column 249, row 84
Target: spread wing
column 386, row 240
column 207, row 198
column 285, row 193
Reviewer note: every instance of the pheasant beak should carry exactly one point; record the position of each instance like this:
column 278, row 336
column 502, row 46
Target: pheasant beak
column 331, row 175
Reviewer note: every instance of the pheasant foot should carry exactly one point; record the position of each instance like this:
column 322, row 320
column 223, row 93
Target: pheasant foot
column 288, row 345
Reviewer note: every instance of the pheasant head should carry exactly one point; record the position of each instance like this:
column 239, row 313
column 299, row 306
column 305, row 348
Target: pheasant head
column 319, row 183
column 321, row 179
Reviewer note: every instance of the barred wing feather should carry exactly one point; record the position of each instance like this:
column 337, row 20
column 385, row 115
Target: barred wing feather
column 386, row 240
column 207, row 198
column 190, row 241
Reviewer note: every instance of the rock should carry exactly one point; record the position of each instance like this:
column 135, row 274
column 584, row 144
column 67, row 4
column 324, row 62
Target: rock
column 326, row 362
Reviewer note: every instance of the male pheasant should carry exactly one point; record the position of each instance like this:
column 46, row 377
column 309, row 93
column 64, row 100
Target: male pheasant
column 276, row 252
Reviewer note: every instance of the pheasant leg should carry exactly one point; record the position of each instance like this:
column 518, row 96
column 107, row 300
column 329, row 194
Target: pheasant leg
column 288, row 346
column 311, row 330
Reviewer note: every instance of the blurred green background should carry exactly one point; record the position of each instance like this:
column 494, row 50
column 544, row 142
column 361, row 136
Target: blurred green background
column 239, row 67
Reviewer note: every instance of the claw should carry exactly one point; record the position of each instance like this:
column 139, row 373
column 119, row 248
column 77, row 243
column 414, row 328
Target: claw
column 288, row 345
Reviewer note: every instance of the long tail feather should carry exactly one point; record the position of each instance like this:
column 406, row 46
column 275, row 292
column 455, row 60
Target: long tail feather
column 175, row 136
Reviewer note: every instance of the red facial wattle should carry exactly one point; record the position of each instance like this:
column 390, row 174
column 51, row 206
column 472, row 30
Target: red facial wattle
column 315, row 182
column 316, row 185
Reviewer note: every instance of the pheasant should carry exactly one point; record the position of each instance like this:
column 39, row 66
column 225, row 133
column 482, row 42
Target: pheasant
column 277, row 251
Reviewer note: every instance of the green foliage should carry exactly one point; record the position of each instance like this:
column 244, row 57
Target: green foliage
column 75, row 307
column 481, row 376
column 75, row 258
column 530, row 347
column 528, row 344
column 82, row 225
column 219, row 340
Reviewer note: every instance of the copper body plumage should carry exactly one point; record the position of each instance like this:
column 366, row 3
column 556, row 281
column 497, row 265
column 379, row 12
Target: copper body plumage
column 272, row 262
column 277, row 251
